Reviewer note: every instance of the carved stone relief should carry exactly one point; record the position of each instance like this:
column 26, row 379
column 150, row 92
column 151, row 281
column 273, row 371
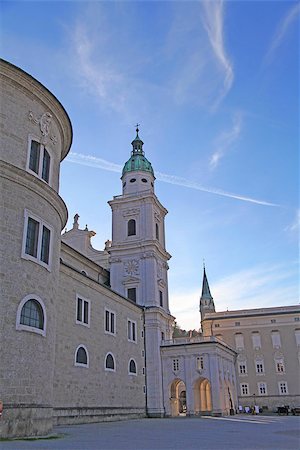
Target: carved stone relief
column 131, row 267
column 44, row 123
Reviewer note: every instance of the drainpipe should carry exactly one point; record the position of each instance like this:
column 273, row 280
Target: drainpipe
column 145, row 360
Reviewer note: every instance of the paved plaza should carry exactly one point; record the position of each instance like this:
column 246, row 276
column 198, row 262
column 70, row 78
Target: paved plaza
column 209, row 433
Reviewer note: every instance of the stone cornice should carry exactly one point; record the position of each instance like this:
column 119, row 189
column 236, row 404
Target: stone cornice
column 39, row 187
column 14, row 75
column 137, row 197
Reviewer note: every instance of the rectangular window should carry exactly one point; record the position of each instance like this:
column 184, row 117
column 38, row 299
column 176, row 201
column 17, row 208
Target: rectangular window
column 46, row 166
column 32, row 237
column 276, row 341
column 244, row 388
column 34, row 157
column 243, row 368
column 131, row 294
column 256, row 341
column 161, row 298
column 36, row 240
column 82, row 311
column 237, row 324
column 110, row 322
column 279, row 363
column 175, row 364
column 39, row 161
column 131, row 330
column 297, row 336
column 45, row 245
column 262, row 388
column 259, row 367
column 283, row 389
column 200, row 363
column 239, row 340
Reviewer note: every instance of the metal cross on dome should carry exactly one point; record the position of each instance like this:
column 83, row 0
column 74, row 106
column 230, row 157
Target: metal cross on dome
column 137, row 127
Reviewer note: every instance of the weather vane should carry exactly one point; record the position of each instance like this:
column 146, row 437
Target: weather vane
column 137, row 127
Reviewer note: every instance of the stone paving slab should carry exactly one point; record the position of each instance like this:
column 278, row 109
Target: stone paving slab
column 238, row 432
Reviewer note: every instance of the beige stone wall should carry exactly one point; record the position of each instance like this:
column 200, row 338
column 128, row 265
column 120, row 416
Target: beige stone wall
column 93, row 392
column 27, row 357
column 285, row 321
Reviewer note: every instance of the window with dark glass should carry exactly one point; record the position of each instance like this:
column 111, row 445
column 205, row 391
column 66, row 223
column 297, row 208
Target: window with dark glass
column 32, row 237
column 109, row 321
column 131, row 330
column 46, row 166
column 109, row 362
column 161, row 298
column 32, row 314
column 45, row 245
column 131, row 227
column 81, row 356
column 131, row 294
column 132, row 366
column 157, row 231
column 34, row 158
column 82, row 315
column 39, row 160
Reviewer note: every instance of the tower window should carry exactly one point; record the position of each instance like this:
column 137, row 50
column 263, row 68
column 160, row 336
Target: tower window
column 131, row 294
column 31, row 315
column 36, row 240
column 131, row 227
column 133, row 180
column 39, row 160
column 157, row 231
column 161, row 298
column 144, row 180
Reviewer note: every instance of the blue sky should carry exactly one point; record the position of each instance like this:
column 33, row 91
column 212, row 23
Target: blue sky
column 215, row 87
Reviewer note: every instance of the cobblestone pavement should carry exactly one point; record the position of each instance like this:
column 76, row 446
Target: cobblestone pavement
column 206, row 433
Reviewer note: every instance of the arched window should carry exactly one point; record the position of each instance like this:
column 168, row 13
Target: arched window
column 81, row 356
column 132, row 367
column 31, row 315
column 157, row 231
column 110, row 362
column 131, row 227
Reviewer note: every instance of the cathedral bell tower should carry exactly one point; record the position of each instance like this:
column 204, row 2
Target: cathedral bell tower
column 139, row 261
column 138, row 258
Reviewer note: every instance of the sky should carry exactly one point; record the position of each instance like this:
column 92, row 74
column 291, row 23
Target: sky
column 214, row 86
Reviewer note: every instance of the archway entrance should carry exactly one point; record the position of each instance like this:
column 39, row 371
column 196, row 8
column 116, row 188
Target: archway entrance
column 202, row 396
column 178, row 398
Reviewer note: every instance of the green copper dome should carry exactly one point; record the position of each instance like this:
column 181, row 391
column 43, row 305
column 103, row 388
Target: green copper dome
column 137, row 161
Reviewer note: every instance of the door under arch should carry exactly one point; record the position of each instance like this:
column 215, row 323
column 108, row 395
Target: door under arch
column 202, row 396
column 178, row 398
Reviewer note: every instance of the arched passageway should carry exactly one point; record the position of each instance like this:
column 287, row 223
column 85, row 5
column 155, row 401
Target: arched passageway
column 202, row 396
column 178, row 398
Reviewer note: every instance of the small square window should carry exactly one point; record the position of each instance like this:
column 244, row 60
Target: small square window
column 131, row 294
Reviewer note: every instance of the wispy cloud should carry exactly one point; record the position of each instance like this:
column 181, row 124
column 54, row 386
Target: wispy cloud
column 295, row 225
column 99, row 163
column 256, row 287
column 282, row 30
column 213, row 20
column 225, row 140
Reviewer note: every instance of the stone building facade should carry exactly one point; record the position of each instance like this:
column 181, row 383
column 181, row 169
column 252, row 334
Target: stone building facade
column 83, row 330
column 86, row 335
column 267, row 342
